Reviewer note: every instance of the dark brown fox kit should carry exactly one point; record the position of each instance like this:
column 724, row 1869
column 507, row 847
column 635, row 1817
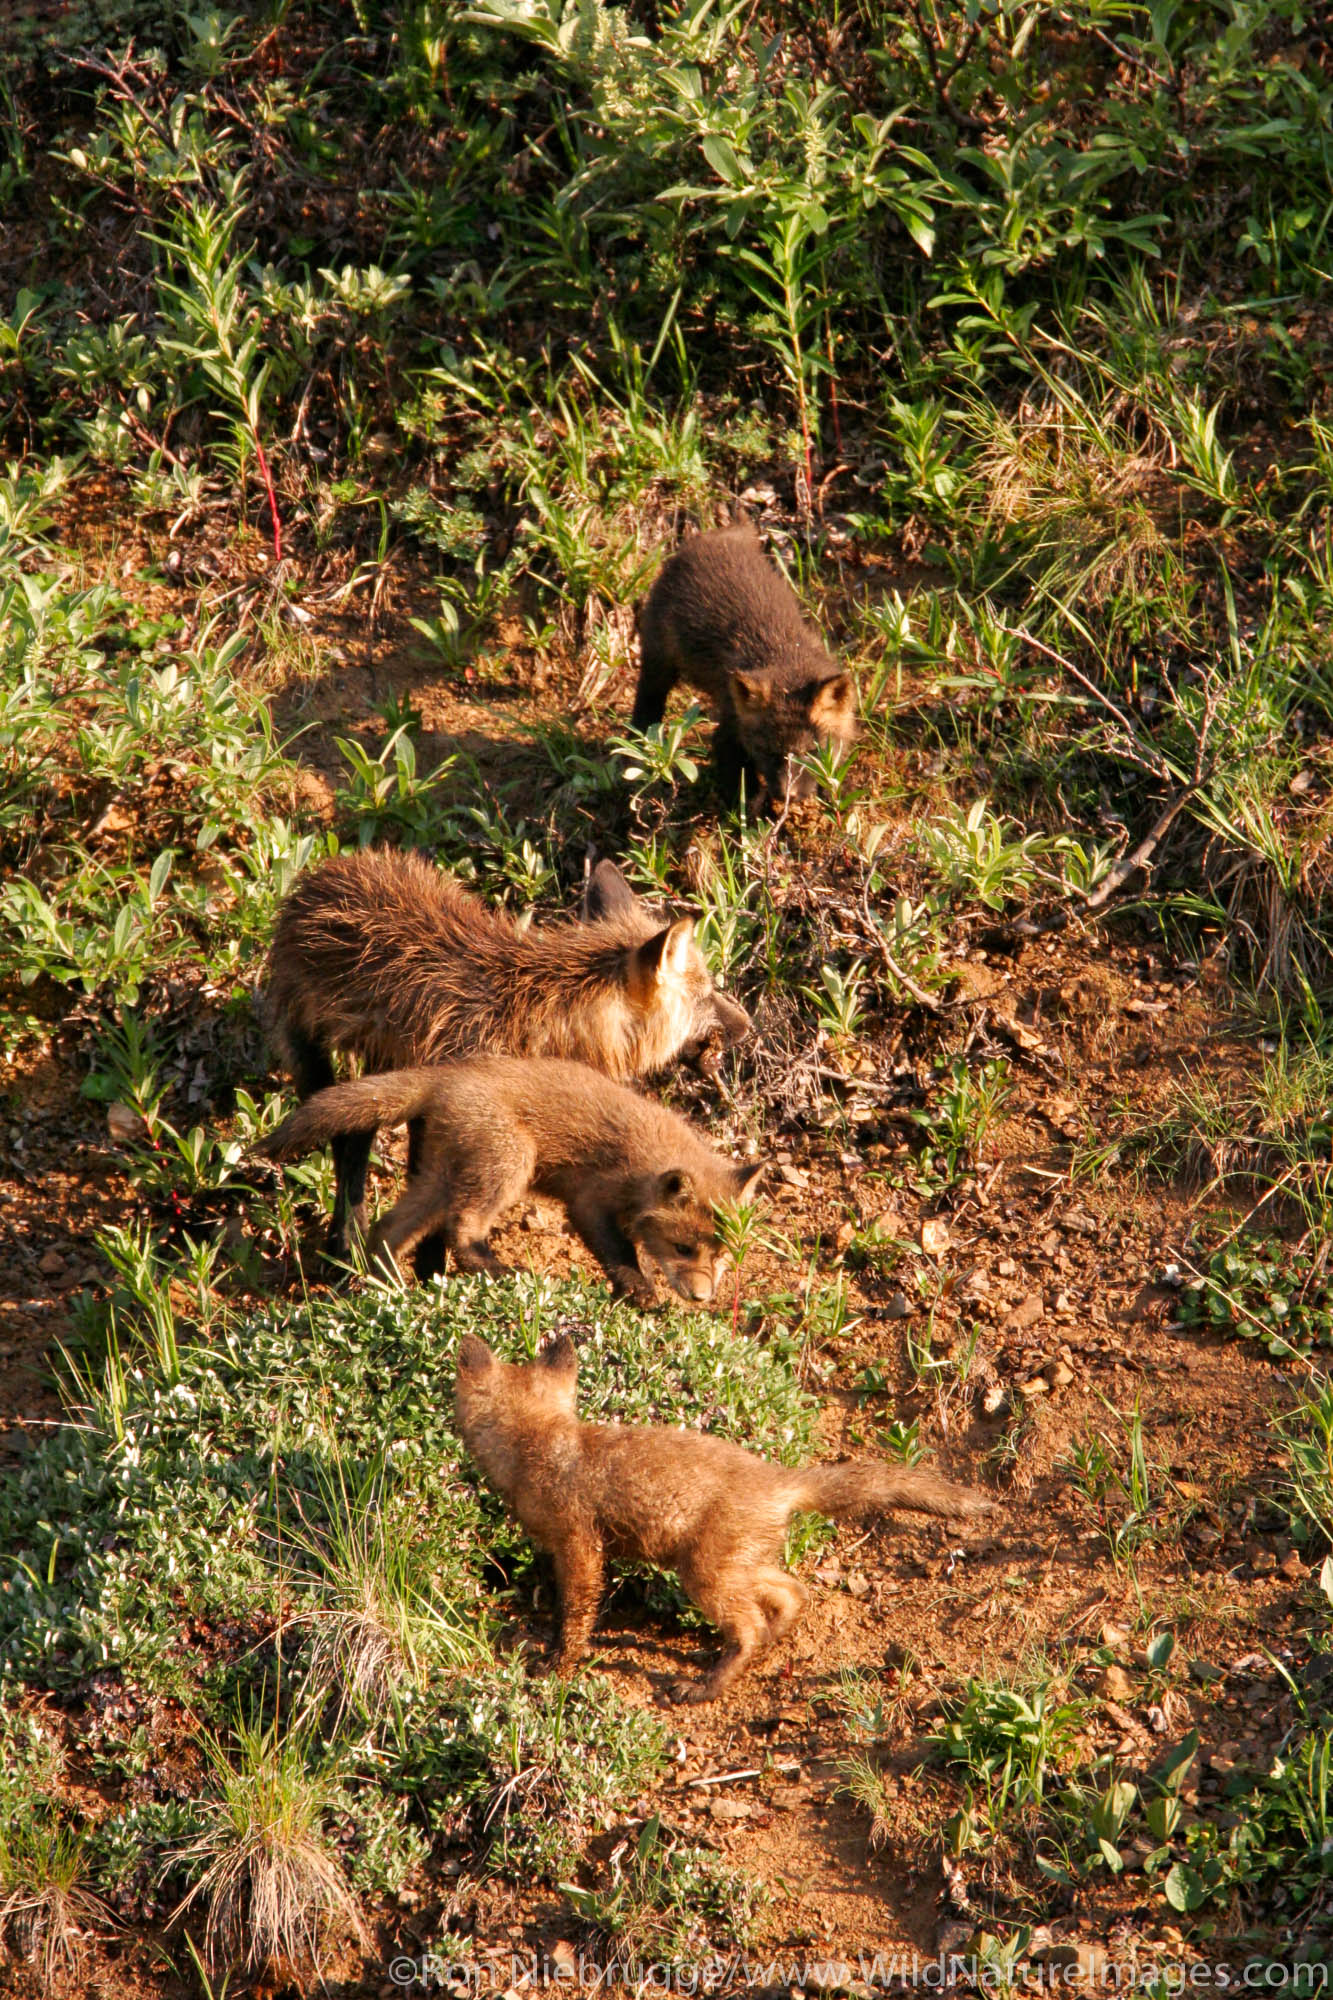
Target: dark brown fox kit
column 699, row 1505
column 632, row 1175
column 722, row 619
column 382, row 956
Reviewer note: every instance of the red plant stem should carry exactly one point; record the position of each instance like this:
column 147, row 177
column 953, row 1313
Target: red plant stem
column 267, row 478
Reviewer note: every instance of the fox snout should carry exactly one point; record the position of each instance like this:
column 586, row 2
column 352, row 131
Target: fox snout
column 699, row 1288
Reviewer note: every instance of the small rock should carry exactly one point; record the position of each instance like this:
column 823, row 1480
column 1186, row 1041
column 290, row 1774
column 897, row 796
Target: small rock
column 846, row 1233
column 730, row 1809
column 1006, row 1267
column 1026, row 1313
column 898, row 1307
column 1117, row 1684
column 1114, row 1635
column 52, row 1264
column 934, row 1236
column 125, row 1125
column 1263, row 1562
column 1291, row 1565
column 858, row 1583
column 793, row 1177
column 1037, row 1385
column 1061, row 1374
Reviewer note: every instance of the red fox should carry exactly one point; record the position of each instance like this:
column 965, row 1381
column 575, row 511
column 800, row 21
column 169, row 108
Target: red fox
column 699, row 1505
column 382, row 956
column 632, row 1176
column 721, row 618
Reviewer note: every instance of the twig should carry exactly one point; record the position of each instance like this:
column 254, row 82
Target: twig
column 724, row 1778
column 1129, row 863
column 918, row 993
column 1147, row 756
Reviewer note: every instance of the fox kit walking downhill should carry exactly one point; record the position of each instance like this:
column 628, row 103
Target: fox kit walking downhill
column 381, row 956
column 721, row 618
column 632, row 1176
column 699, row 1505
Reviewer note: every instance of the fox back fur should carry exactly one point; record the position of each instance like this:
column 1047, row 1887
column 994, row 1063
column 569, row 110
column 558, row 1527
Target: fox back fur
column 633, row 1177
column 699, row 1505
column 722, row 618
column 382, row 956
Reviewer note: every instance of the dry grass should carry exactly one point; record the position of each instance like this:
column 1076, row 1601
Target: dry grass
column 272, row 1890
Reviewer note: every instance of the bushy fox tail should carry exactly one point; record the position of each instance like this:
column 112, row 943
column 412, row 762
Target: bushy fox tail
column 361, row 1105
column 864, row 1486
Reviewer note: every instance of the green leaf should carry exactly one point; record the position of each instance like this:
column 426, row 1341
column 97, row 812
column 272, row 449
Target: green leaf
column 1160, row 1650
column 721, row 157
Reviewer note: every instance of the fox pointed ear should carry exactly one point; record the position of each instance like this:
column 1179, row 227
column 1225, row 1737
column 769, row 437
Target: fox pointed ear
column 831, row 702
column 474, row 1356
column 668, row 952
column 558, row 1357
column 607, row 894
column 747, row 1181
column 750, row 691
column 674, row 1185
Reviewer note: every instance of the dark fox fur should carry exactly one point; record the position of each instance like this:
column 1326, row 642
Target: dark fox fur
column 382, row 956
column 635, row 1493
column 722, row 619
column 632, row 1176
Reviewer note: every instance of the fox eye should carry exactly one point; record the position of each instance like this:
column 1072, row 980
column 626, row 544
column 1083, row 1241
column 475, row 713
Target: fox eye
column 683, row 1249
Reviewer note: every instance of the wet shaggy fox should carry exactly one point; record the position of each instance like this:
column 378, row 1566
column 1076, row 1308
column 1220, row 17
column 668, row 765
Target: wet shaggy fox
column 382, row 956
column 699, row 1505
column 632, row 1176
column 722, row 619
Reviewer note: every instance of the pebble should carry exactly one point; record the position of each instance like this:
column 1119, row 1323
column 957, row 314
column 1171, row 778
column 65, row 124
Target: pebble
column 52, row 1264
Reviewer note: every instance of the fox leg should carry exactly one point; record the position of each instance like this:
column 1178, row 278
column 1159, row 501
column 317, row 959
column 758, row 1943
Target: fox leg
column 613, row 1250
column 731, row 1601
column 481, row 1191
column 731, row 762
column 312, row 1070
column 431, row 1249
column 418, row 1212
column 657, row 677
column 351, row 1161
column 580, row 1577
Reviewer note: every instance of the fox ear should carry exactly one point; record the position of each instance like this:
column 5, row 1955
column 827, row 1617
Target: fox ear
column 607, row 894
column 750, row 691
column 747, row 1181
column 474, row 1356
column 831, row 702
column 668, row 952
column 675, row 1185
column 559, row 1358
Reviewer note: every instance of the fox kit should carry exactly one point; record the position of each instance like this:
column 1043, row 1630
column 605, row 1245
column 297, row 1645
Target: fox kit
column 631, row 1175
column 636, row 1493
column 721, row 618
column 382, row 956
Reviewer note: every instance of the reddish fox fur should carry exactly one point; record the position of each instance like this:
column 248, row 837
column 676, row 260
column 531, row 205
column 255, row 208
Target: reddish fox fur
column 382, row 956
column 632, row 1176
column 722, row 619
column 644, row 1493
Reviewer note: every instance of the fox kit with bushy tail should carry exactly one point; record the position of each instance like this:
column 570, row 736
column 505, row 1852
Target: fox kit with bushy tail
column 699, row 1505
column 722, row 619
column 632, row 1176
column 382, row 956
